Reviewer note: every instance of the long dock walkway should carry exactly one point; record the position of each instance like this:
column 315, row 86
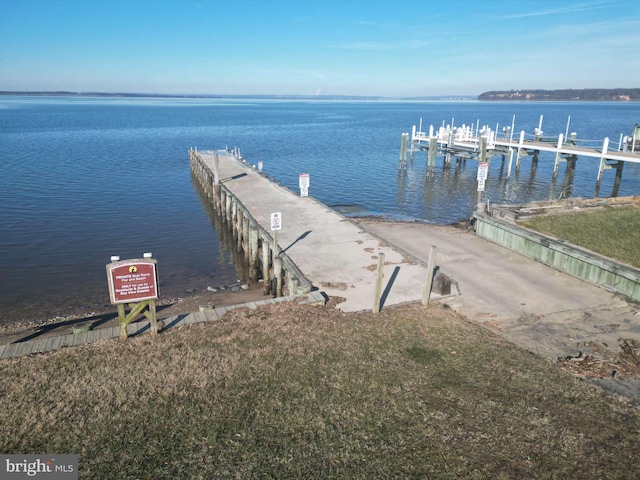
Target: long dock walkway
column 333, row 253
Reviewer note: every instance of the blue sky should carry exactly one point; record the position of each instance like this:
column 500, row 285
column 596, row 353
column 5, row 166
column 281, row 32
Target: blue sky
column 346, row 47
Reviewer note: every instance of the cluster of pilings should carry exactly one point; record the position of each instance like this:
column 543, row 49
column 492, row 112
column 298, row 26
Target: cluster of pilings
column 481, row 144
column 265, row 261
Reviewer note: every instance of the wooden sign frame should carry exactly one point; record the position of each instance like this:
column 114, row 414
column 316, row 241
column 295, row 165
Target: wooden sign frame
column 134, row 283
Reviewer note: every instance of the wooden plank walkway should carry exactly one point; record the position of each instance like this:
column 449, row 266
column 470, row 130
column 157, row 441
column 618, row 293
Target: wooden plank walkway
column 47, row 344
column 333, row 253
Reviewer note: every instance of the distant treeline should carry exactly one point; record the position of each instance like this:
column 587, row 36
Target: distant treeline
column 600, row 94
column 103, row 94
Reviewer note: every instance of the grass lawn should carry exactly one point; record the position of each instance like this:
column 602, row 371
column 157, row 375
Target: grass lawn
column 310, row 392
column 610, row 231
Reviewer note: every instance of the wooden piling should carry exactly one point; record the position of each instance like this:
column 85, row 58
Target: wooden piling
column 245, row 239
column 253, row 253
column 426, row 293
column 433, row 152
column 380, row 276
column 266, row 258
column 239, row 227
column 616, row 182
column 277, row 273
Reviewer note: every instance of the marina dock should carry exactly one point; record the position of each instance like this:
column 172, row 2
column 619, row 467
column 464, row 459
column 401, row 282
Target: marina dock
column 317, row 247
column 482, row 143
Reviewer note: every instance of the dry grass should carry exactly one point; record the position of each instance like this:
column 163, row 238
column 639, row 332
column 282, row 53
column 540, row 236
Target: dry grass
column 310, row 392
column 611, row 231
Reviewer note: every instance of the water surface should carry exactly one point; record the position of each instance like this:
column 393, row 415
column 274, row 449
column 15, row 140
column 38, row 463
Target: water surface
column 82, row 179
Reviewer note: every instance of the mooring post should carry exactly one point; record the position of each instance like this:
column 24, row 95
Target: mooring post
column 483, row 150
column 426, row 293
column 431, row 159
column 277, row 272
column 519, row 156
column 534, row 160
column 246, row 247
column 603, row 158
column 227, row 207
column 253, row 253
column 616, row 181
column 223, row 199
column 266, row 257
column 402, row 162
column 239, row 226
column 378, row 292
column 558, row 155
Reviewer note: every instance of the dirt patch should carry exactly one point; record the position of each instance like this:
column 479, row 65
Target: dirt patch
column 337, row 285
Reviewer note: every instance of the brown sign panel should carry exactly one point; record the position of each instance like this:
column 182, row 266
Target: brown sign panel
column 132, row 280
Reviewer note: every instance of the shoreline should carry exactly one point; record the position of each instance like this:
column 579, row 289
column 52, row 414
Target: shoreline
column 60, row 314
column 106, row 316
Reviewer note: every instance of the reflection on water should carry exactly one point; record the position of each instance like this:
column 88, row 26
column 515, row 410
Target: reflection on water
column 228, row 250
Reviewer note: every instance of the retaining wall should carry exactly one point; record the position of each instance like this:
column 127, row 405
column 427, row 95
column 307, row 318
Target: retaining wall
column 561, row 255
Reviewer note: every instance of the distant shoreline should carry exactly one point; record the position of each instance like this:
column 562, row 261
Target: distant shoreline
column 585, row 94
column 574, row 95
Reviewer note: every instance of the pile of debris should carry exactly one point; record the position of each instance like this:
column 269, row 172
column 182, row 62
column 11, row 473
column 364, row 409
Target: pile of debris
column 601, row 362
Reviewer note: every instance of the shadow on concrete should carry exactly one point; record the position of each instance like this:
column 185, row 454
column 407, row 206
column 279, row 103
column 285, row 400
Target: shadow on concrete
column 301, row 237
column 390, row 283
column 235, row 177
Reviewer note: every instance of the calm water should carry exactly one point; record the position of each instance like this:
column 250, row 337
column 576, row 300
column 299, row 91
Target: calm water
column 84, row 179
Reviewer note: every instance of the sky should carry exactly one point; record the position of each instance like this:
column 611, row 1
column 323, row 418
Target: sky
column 391, row 48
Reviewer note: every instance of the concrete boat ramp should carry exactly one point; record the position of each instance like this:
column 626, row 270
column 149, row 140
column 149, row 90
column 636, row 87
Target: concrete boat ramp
column 333, row 253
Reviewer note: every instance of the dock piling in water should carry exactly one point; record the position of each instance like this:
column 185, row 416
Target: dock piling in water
column 481, row 144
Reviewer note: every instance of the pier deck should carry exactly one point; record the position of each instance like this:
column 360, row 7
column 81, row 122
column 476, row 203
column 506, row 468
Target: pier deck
column 332, row 252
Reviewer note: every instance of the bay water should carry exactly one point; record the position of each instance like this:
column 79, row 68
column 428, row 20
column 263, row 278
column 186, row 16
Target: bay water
column 85, row 178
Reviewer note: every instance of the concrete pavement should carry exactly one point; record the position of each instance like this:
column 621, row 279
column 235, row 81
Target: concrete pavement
column 539, row 308
column 335, row 254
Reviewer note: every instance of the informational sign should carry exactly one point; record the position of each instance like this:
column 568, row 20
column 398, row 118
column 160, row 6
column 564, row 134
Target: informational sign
column 483, row 171
column 132, row 280
column 304, row 184
column 276, row 221
column 481, row 185
column 304, row 180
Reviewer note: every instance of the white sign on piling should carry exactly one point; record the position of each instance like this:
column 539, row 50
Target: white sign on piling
column 276, row 221
column 276, row 224
column 483, row 171
column 303, row 180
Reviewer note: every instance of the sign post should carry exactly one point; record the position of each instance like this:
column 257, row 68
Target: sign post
column 303, row 180
column 276, row 225
column 134, row 283
column 483, row 173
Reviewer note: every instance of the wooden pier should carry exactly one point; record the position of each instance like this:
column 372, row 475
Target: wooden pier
column 482, row 143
